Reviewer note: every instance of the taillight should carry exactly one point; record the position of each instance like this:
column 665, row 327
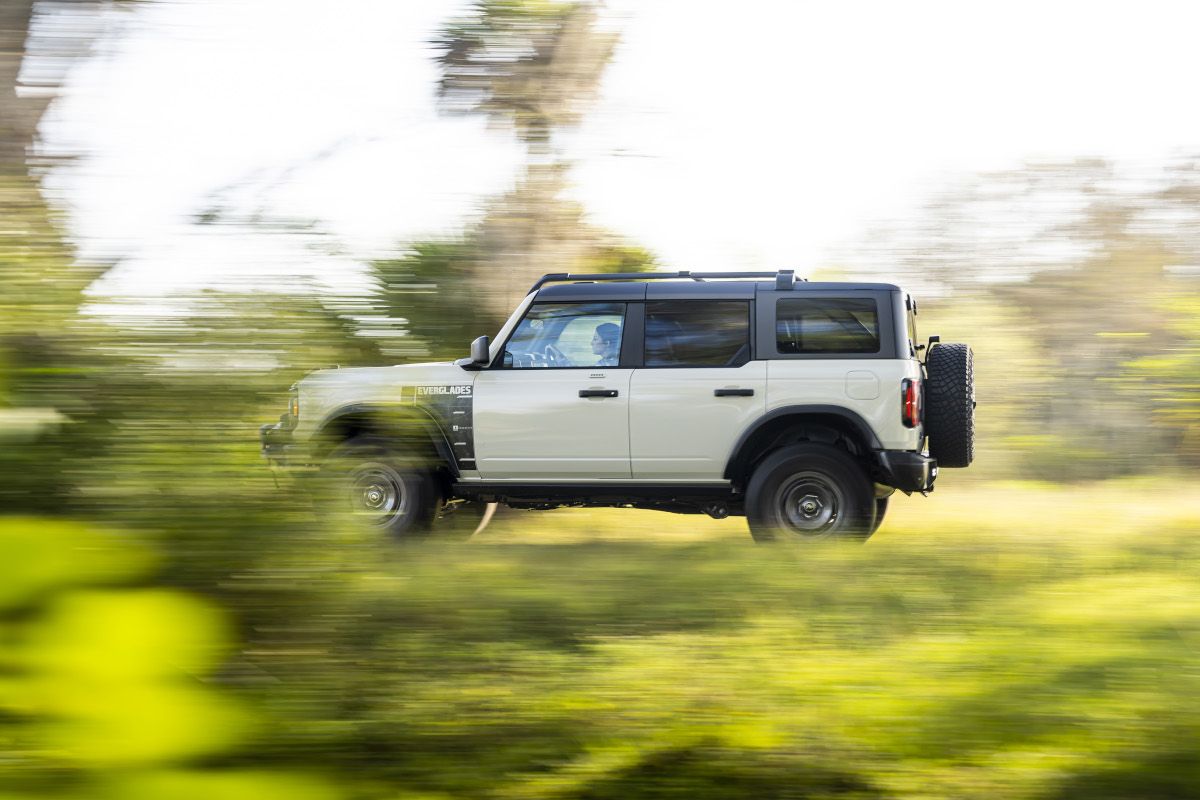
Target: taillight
column 910, row 402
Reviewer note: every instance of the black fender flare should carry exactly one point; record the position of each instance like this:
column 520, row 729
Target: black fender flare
column 745, row 450
column 394, row 414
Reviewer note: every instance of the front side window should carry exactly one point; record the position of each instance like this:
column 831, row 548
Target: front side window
column 827, row 325
column 556, row 335
column 697, row 333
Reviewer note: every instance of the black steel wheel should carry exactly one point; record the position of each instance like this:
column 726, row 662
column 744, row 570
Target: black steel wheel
column 810, row 492
column 365, row 481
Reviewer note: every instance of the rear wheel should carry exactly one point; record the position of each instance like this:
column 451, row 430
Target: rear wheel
column 810, row 492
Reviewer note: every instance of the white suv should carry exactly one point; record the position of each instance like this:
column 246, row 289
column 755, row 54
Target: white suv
column 801, row 405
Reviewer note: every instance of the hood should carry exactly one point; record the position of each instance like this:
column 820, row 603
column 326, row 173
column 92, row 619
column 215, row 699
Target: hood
column 325, row 391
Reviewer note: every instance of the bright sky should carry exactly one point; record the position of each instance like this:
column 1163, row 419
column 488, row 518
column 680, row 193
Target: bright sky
column 757, row 134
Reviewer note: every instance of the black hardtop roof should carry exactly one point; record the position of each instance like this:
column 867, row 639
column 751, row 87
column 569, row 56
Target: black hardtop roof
column 676, row 285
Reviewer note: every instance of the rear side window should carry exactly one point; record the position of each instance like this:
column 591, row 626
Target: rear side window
column 827, row 325
column 700, row 333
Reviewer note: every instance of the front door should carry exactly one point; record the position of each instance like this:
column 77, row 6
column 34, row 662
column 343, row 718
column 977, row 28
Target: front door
column 556, row 406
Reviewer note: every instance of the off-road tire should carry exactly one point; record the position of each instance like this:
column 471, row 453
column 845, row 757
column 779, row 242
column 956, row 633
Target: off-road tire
column 791, row 478
column 950, row 404
column 365, row 468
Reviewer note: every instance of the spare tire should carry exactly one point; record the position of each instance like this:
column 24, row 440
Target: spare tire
column 950, row 404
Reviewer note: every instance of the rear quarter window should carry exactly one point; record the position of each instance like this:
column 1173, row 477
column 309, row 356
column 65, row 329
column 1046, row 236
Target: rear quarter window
column 827, row 325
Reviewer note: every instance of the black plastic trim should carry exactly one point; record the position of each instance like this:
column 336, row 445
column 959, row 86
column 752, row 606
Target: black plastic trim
column 740, row 458
column 907, row 471
column 433, row 427
column 562, row 277
column 614, row 491
column 633, row 338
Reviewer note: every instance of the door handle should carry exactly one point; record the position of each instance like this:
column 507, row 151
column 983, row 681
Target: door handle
column 598, row 392
column 734, row 392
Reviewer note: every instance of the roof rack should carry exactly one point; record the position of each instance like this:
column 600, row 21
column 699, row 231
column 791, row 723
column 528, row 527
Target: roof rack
column 784, row 278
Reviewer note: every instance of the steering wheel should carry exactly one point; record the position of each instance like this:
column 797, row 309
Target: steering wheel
column 556, row 357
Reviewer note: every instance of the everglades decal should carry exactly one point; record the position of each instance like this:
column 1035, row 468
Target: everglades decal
column 457, row 391
column 451, row 406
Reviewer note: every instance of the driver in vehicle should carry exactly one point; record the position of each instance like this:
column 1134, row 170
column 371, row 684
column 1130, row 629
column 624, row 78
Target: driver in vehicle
column 606, row 343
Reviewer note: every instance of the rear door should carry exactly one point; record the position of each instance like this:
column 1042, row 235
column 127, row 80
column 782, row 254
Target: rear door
column 698, row 387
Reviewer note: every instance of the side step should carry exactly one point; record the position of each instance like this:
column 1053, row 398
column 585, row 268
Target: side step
column 499, row 491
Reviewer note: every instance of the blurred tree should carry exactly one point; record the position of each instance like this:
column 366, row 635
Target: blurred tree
column 44, row 381
column 535, row 66
column 1093, row 265
column 439, row 288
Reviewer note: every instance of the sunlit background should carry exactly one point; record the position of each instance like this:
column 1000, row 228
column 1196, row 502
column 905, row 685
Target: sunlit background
column 201, row 201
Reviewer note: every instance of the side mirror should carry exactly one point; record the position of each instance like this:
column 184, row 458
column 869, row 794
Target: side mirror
column 480, row 355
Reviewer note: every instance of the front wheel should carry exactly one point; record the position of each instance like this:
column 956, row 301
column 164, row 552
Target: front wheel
column 365, row 480
column 810, row 492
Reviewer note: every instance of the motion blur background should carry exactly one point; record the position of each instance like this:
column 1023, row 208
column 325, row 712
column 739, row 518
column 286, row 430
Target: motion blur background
column 202, row 201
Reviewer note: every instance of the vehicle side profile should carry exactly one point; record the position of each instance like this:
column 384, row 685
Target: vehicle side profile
column 800, row 405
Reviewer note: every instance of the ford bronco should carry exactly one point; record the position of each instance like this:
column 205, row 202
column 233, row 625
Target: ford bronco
column 801, row 405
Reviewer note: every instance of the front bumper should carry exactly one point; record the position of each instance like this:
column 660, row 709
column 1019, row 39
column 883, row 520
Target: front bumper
column 907, row 471
column 279, row 447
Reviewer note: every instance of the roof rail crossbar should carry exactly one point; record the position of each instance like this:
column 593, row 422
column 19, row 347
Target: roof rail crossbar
column 561, row 277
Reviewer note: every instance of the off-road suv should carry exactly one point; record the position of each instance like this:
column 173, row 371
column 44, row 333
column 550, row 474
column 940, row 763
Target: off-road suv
column 801, row 405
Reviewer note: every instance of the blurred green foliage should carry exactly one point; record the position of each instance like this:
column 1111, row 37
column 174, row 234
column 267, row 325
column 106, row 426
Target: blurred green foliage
column 948, row 663
column 446, row 293
column 532, row 64
column 1078, row 289
column 106, row 685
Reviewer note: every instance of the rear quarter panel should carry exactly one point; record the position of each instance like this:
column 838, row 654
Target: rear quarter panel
column 868, row 387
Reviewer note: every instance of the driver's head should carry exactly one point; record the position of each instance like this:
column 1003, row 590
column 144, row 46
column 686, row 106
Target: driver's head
column 607, row 339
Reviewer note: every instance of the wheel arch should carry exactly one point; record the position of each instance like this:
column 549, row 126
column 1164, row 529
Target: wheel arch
column 821, row 423
column 408, row 424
